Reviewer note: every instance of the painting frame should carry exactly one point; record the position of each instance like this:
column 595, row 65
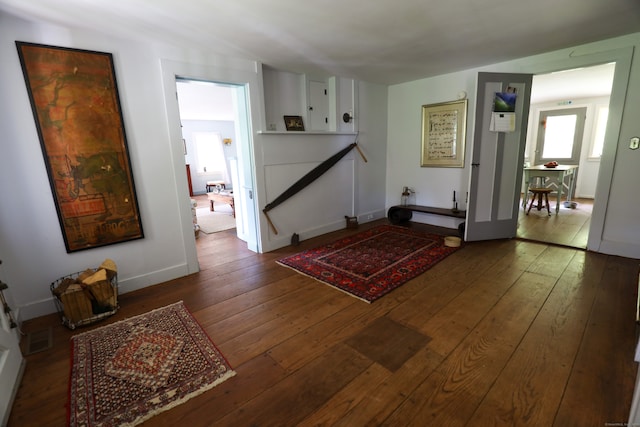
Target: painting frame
column 444, row 134
column 294, row 123
column 76, row 107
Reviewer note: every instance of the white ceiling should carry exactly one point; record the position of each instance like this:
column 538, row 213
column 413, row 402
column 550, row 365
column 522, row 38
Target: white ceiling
column 205, row 101
column 380, row 41
column 568, row 85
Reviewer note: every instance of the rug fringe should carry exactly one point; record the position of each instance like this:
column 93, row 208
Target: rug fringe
column 140, row 420
column 324, row 283
column 128, row 319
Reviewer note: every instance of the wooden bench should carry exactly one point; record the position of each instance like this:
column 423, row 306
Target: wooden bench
column 400, row 214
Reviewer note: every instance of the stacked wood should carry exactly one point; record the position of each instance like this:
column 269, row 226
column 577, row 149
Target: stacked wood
column 88, row 293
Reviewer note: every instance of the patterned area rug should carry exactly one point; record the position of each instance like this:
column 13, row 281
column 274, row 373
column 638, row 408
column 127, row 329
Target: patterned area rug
column 371, row 264
column 127, row 372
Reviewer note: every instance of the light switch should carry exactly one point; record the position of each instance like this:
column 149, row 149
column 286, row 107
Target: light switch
column 634, row 143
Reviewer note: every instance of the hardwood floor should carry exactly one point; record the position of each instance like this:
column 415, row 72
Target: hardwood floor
column 503, row 332
column 570, row 227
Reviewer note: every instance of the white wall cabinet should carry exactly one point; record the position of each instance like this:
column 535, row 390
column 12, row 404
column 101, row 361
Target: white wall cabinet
column 321, row 103
column 318, row 106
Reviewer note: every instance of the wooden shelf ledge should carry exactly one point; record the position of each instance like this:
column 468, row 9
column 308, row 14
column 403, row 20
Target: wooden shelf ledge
column 429, row 210
column 399, row 214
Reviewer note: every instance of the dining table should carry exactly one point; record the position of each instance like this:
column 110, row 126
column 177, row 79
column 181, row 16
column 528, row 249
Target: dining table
column 559, row 173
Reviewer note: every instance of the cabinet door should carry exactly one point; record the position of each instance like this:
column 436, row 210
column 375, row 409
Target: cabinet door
column 318, row 111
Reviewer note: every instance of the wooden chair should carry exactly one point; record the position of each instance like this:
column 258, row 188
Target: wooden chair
column 540, row 192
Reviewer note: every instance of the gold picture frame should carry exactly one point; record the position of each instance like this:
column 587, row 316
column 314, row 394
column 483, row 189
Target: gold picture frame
column 444, row 134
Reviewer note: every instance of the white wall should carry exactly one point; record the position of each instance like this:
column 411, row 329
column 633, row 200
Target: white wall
column 372, row 121
column 619, row 232
column 432, row 186
column 31, row 243
column 32, row 246
column 352, row 187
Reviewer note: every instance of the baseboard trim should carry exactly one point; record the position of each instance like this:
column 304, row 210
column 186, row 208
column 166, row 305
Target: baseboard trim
column 47, row 306
column 285, row 240
column 628, row 250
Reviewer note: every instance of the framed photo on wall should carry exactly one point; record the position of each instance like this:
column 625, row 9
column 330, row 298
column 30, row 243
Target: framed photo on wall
column 75, row 103
column 294, row 123
column 444, row 134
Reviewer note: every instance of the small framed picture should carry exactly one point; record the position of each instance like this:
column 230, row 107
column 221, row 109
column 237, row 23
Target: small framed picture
column 294, row 123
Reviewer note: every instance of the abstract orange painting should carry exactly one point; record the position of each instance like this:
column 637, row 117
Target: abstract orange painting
column 75, row 103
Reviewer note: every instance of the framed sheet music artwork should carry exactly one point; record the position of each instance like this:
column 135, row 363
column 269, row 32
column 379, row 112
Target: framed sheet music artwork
column 444, row 134
column 75, row 103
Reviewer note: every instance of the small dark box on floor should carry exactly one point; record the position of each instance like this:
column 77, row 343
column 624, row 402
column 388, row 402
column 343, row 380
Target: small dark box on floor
column 352, row 221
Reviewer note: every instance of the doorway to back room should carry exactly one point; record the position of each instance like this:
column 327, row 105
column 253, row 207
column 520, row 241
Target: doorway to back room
column 210, row 116
column 568, row 118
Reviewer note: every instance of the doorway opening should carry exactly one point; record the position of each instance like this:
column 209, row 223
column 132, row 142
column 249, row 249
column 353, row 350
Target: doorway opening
column 214, row 136
column 568, row 117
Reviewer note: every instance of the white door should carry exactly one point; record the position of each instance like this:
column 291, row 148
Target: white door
column 245, row 200
column 11, row 366
column 497, row 160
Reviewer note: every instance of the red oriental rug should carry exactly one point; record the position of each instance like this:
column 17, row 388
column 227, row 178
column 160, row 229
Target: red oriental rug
column 127, row 372
column 371, row 264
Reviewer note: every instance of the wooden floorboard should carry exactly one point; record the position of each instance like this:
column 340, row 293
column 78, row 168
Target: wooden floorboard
column 451, row 394
column 289, row 401
column 602, row 360
column 516, row 333
column 543, row 360
column 569, row 227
